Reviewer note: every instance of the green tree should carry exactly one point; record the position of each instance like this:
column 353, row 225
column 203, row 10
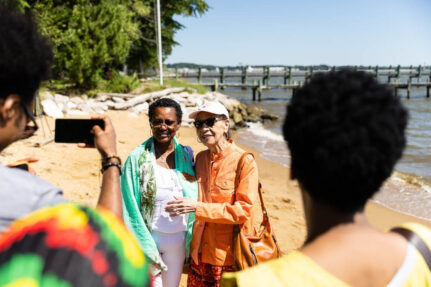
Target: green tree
column 89, row 37
column 144, row 50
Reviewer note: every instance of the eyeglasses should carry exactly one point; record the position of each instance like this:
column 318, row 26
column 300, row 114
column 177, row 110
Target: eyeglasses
column 209, row 122
column 30, row 129
column 158, row 123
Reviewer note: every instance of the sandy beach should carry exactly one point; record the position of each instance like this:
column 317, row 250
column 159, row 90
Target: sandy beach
column 77, row 172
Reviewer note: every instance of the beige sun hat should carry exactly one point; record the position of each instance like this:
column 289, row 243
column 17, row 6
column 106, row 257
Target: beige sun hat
column 210, row 107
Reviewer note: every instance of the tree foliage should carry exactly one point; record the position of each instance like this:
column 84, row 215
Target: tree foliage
column 144, row 48
column 92, row 37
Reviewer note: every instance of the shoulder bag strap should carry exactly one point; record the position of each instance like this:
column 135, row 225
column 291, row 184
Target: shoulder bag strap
column 238, row 177
column 418, row 242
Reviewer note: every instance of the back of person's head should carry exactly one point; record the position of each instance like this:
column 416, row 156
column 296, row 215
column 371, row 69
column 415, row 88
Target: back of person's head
column 165, row 103
column 345, row 132
column 71, row 245
column 25, row 56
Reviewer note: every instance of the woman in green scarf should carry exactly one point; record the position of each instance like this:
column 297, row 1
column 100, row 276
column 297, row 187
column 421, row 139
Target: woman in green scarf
column 156, row 172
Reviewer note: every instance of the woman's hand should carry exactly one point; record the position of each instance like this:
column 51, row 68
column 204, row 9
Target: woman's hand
column 181, row 205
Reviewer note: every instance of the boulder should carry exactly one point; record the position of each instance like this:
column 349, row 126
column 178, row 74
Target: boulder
column 60, row 98
column 141, row 108
column 237, row 117
column 254, row 111
column 118, row 100
column 45, row 95
column 51, row 109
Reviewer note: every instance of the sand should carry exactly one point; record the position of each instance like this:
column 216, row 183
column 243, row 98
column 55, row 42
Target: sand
column 77, row 172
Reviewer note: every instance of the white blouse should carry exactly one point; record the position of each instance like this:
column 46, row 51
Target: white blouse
column 168, row 186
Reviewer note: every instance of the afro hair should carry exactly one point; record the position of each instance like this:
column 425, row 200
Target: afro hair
column 345, row 132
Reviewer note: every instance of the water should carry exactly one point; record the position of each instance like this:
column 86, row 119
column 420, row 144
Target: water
column 409, row 188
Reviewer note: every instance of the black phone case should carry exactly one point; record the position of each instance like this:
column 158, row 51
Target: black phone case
column 76, row 130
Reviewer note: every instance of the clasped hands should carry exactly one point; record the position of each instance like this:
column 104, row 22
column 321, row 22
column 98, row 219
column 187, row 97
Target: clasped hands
column 181, row 205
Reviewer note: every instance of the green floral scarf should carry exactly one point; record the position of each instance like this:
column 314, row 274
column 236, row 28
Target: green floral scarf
column 138, row 186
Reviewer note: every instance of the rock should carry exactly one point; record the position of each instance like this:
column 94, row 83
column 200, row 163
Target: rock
column 237, row 117
column 141, row 108
column 269, row 116
column 46, row 96
column 70, row 105
column 76, row 100
column 109, row 104
column 255, row 111
column 118, row 100
column 51, row 109
column 252, row 118
column 243, row 109
column 76, row 113
column 60, row 98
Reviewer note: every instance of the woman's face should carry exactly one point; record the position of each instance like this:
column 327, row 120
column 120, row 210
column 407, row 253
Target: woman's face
column 211, row 135
column 164, row 124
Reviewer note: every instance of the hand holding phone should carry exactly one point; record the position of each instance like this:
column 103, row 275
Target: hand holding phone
column 76, row 130
column 105, row 139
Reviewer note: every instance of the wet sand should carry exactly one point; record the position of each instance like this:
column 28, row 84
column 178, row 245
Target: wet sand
column 77, row 172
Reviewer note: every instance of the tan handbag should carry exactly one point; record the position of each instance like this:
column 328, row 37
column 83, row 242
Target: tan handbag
column 251, row 249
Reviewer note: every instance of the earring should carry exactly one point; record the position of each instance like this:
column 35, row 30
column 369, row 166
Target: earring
column 177, row 135
column 198, row 140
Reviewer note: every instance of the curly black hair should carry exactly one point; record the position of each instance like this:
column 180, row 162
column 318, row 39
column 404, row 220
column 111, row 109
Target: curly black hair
column 345, row 132
column 25, row 56
column 165, row 103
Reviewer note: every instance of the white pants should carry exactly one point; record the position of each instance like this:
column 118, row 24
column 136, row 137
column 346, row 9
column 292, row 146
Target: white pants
column 172, row 249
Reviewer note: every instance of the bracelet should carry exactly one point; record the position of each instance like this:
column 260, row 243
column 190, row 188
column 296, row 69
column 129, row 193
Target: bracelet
column 109, row 157
column 109, row 164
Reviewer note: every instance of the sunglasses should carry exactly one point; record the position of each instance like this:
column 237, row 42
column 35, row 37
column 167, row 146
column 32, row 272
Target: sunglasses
column 30, row 129
column 158, row 123
column 209, row 122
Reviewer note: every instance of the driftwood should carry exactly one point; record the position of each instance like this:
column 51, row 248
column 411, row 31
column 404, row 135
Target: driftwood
column 162, row 93
column 140, row 99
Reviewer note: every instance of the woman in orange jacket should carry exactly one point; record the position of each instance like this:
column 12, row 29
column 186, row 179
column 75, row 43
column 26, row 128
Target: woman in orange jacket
column 216, row 212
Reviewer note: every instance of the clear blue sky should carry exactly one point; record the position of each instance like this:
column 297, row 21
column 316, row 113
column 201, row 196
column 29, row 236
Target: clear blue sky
column 307, row 32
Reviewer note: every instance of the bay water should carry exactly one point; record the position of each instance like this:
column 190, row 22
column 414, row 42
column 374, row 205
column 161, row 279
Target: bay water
column 409, row 188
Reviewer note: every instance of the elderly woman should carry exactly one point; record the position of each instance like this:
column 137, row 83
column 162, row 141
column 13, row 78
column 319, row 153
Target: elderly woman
column 158, row 171
column 216, row 212
column 345, row 132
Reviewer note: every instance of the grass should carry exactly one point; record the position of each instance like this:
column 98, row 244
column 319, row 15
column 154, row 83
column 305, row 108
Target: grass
column 154, row 85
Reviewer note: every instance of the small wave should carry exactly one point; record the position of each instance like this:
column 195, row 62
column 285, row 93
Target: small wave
column 411, row 179
column 259, row 130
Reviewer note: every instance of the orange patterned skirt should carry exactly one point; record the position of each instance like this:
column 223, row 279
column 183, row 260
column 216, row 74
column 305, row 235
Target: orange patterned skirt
column 206, row 275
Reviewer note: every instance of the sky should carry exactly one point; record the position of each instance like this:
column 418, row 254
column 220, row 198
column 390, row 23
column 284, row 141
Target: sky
column 307, row 32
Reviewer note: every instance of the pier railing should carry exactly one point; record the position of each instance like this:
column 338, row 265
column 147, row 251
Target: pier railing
column 397, row 77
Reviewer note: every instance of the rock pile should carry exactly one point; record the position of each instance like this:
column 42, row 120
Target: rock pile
column 58, row 106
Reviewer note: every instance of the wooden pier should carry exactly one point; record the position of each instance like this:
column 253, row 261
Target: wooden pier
column 414, row 76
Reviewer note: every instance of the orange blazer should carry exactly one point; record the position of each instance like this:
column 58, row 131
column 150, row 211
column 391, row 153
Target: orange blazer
column 216, row 213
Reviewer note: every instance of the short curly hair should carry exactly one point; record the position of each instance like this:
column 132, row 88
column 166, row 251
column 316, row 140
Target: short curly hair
column 25, row 56
column 165, row 103
column 345, row 132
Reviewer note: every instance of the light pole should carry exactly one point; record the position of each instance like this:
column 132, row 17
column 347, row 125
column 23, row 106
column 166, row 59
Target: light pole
column 159, row 41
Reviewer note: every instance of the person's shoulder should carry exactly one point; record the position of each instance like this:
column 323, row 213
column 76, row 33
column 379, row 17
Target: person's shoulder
column 292, row 269
column 238, row 152
column 20, row 181
column 138, row 151
column 203, row 155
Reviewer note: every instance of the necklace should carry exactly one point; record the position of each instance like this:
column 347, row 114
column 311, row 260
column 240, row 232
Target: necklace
column 163, row 160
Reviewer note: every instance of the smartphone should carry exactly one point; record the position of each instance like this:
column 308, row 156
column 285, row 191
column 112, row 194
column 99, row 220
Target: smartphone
column 76, row 130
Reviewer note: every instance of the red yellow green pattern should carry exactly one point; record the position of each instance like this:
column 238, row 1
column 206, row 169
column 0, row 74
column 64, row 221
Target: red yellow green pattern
column 71, row 245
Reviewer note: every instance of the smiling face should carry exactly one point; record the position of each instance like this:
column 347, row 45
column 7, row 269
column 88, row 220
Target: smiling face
column 211, row 136
column 164, row 124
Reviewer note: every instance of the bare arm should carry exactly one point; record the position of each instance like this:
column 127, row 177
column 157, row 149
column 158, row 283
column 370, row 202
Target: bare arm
column 106, row 144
